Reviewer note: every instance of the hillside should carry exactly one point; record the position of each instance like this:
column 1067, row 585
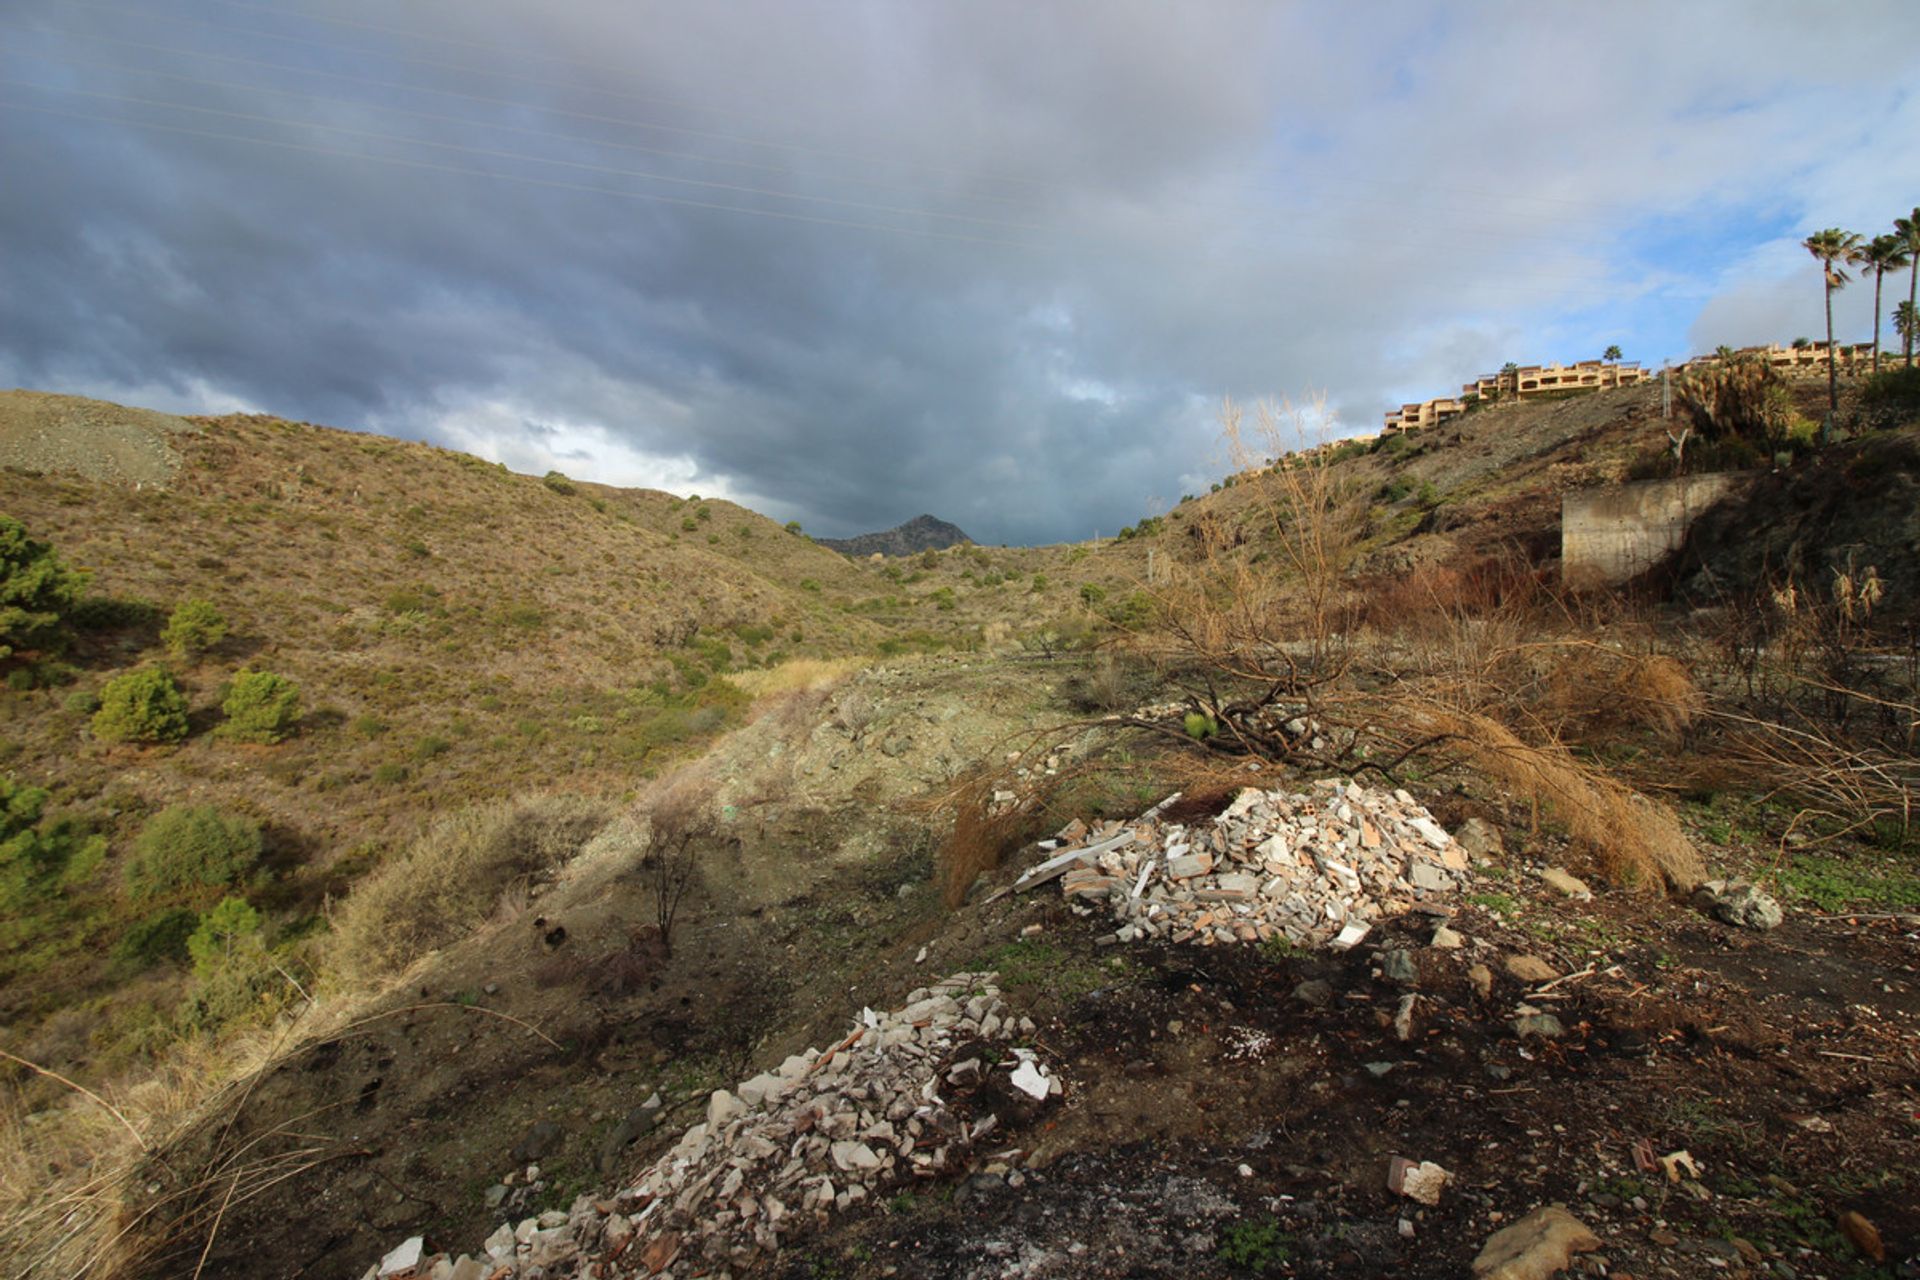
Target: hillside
column 517, row 690
column 922, row 533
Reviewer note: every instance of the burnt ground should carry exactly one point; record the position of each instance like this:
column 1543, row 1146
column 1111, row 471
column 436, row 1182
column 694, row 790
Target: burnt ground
column 1214, row 1124
column 1219, row 1126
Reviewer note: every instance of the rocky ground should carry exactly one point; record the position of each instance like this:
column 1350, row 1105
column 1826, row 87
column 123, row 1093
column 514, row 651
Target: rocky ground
column 1700, row 1097
column 40, row 432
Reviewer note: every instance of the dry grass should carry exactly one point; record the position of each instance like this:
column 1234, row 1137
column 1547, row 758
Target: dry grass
column 796, row 675
column 983, row 833
column 1635, row 840
column 451, row 879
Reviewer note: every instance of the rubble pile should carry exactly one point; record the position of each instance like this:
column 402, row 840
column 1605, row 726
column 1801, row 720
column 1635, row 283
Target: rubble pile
column 907, row 1095
column 1314, row 867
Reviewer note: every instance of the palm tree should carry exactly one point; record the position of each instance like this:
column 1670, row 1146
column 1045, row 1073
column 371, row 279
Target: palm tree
column 1831, row 248
column 1906, row 323
column 1882, row 254
column 1908, row 230
column 1611, row 353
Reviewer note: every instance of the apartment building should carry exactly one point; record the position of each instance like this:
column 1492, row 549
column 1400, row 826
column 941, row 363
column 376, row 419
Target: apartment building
column 1538, row 379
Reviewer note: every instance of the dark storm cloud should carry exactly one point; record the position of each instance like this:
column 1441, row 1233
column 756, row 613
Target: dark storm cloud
column 996, row 261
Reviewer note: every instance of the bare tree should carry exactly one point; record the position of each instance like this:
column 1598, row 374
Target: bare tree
column 682, row 827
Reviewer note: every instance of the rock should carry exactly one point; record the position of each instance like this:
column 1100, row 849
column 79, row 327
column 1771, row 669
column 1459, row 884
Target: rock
column 855, row 1157
column 539, row 1141
column 1481, row 979
column 1348, row 937
column 495, row 1194
column 1480, row 839
column 1535, row 1247
column 1430, row 831
column 1397, row 966
column 1187, row 866
column 758, row 1090
column 1542, row 1025
column 1432, row 879
column 1529, row 969
column 500, row 1243
column 1565, row 885
column 1422, row 1182
column 404, row 1260
column 1445, row 939
column 468, row 1268
column 721, row 1108
column 1314, row 992
column 1739, row 904
column 1403, row 1017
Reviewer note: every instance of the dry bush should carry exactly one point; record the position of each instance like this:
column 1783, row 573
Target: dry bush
column 1594, row 689
column 1480, row 666
column 1633, row 839
column 981, row 837
column 682, row 827
column 451, row 878
column 1247, row 624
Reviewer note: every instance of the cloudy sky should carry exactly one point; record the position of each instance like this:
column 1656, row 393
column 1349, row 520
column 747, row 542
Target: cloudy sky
column 998, row 260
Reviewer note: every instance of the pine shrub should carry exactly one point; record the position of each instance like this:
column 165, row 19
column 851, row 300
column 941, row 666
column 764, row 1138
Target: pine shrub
column 260, row 707
column 185, row 846
column 36, row 590
column 141, row 706
column 194, row 627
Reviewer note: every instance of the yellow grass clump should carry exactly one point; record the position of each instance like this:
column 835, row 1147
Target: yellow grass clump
column 451, row 878
column 1633, row 839
column 796, row 675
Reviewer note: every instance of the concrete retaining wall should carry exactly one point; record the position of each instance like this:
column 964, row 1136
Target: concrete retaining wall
column 1614, row 534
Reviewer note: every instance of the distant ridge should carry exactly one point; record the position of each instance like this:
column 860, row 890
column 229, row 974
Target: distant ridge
column 922, row 533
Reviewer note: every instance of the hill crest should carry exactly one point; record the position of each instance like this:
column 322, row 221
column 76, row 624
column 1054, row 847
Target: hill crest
column 922, row 533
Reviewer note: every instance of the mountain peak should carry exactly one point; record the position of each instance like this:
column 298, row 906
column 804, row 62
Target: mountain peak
column 922, row 533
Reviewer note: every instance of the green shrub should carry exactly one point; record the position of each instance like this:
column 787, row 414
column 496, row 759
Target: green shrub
column 36, row 855
column 85, row 701
column 430, row 746
column 1200, row 726
column 793, row 527
column 232, row 973
column 1092, row 593
column 36, row 590
column 187, row 846
column 559, row 483
column 1897, row 389
column 942, row 598
column 1255, row 1245
column 390, row 774
column 260, row 707
column 141, row 706
column 193, row 628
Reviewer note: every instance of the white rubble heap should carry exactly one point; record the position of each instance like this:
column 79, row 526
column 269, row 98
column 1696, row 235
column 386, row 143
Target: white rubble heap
column 780, row 1153
column 1315, row 867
